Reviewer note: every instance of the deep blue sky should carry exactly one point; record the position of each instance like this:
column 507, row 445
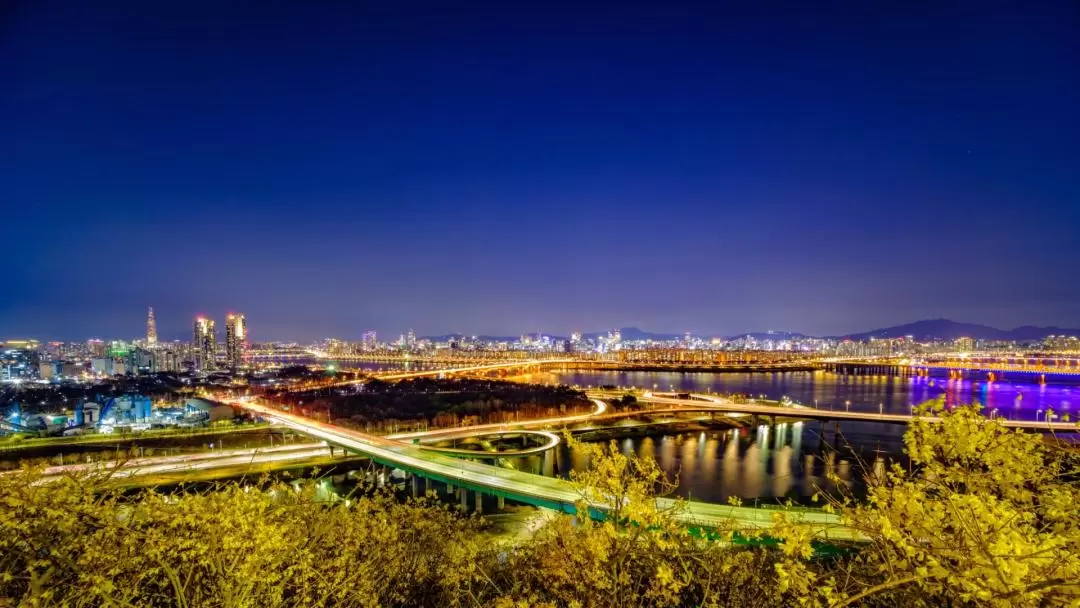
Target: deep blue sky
column 327, row 167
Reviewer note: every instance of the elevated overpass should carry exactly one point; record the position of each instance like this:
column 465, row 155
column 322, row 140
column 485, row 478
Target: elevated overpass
column 187, row 463
column 549, row 492
column 711, row 403
column 549, row 440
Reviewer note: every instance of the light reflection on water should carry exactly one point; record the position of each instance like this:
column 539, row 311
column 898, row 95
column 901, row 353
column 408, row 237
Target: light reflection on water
column 786, row 460
column 793, row 460
column 1015, row 398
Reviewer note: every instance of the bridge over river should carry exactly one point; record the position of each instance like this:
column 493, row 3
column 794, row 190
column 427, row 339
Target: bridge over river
column 711, row 403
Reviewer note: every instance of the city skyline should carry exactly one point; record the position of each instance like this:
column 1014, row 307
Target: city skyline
column 236, row 332
column 493, row 169
column 381, row 304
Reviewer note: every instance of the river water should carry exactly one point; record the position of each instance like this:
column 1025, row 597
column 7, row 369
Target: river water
column 889, row 394
column 766, row 463
column 793, row 460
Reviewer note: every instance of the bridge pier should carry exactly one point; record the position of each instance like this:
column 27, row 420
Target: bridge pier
column 427, row 486
column 464, row 494
column 500, row 502
column 415, row 483
column 450, row 489
column 479, row 502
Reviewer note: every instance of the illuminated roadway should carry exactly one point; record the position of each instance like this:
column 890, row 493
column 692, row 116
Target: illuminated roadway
column 434, row 373
column 550, row 440
column 550, row 492
column 973, row 362
column 721, row 404
column 193, row 462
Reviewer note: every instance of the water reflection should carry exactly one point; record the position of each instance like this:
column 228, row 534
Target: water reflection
column 790, row 460
column 1016, row 398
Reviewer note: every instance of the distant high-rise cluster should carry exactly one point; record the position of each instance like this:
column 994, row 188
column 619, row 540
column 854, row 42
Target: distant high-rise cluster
column 235, row 339
column 369, row 340
column 204, row 343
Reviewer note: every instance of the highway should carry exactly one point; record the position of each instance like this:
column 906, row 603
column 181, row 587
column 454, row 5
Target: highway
column 191, row 462
column 721, row 404
column 470, row 369
column 550, row 440
column 600, row 407
column 550, row 492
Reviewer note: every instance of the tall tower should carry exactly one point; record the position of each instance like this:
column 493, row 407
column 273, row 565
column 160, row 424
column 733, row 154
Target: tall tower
column 151, row 327
column 235, row 339
column 205, row 343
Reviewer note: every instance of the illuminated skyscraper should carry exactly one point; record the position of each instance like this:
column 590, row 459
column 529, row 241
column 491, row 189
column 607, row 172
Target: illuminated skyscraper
column 205, row 343
column 95, row 347
column 235, row 339
column 368, row 340
column 151, row 327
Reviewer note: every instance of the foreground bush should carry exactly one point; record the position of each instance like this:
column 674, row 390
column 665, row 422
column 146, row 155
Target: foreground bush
column 984, row 517
column 63, row 545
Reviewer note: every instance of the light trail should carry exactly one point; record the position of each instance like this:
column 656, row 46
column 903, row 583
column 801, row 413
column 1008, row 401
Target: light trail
column 550, row 492
column 600, row 407
column 189, row 462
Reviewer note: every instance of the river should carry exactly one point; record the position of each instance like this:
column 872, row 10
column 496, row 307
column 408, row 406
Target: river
column 792, row 460
column 889, row 394
column 766, row 463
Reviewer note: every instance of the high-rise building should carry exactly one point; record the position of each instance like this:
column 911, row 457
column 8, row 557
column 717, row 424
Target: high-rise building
column 18, row 360
column 95, row 347
column 368, row 340
column 151, row 327
column 235, row 339
column 205, row 343
column 410, row 339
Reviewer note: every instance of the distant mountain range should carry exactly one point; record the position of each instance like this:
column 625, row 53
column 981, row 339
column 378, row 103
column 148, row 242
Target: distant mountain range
column 944, row 329
column 930, row 329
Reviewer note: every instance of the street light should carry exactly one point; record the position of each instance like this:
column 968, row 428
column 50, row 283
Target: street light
column 1037, row 413
column 847, row 405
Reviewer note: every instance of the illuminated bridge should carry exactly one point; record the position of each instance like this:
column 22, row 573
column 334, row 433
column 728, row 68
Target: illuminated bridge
column 521, row 366
column 994, row 367
column 708, row 403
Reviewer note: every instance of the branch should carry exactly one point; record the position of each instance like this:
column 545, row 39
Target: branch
column 875, row 589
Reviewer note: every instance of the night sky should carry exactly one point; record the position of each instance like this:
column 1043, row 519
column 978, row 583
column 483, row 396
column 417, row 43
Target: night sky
column 499, row 168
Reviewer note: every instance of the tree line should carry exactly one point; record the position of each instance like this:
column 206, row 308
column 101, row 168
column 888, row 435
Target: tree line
column 982, row 516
